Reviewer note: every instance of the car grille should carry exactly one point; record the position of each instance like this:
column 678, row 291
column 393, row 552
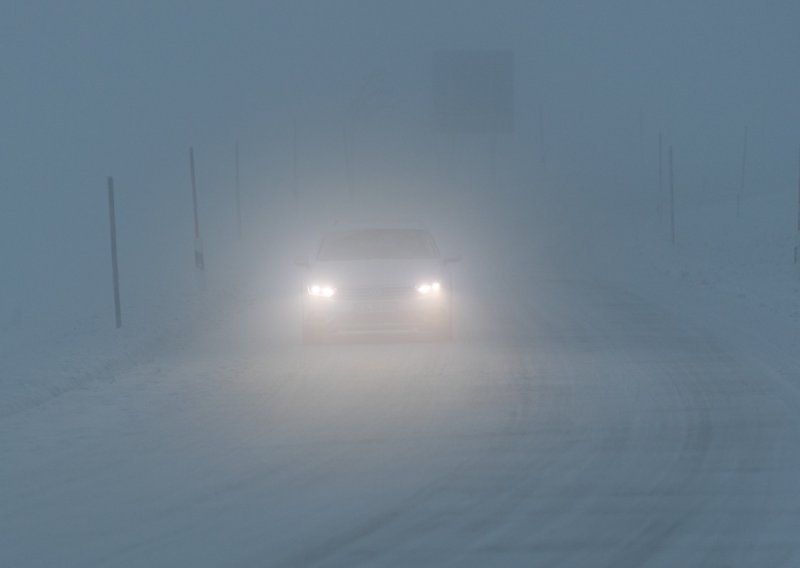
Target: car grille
column 377, row 294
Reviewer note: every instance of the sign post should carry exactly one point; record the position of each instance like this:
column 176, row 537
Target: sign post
column 473, row 94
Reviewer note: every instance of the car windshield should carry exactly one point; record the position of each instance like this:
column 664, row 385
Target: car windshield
column 366, row 244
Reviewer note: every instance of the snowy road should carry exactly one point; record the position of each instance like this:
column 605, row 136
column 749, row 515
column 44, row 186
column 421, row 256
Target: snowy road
column 583, row 427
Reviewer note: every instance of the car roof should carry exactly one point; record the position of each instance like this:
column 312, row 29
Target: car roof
column 354, row 225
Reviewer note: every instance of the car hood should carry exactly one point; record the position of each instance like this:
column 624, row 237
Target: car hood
column 377, row 273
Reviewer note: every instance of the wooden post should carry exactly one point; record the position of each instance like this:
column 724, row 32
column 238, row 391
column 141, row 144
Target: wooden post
column 112, row 218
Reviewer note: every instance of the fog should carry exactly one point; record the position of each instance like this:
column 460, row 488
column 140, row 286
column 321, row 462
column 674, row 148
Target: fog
column 333, row 109
column 91, row 90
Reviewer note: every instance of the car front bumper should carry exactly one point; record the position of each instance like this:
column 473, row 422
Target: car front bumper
column 421, row 315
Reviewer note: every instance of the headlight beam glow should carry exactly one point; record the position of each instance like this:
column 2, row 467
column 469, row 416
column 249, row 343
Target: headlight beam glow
column 323, row 291
column 429, row 288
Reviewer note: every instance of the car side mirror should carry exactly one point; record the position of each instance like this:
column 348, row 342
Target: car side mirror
column 451, row 258
column 302, row 261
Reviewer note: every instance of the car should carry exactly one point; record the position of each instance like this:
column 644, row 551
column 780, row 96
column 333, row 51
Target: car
column 377, row 278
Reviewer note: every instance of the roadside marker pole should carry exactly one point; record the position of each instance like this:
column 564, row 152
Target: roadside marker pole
column 238, row 196
column 671, row 197
column 797, row 244
column 660, row 178
column 542, row 147
column 198, row 244
column 742, row 176
column 493, row 159
column 294, row 159
column 112, row 218
column 348, row 166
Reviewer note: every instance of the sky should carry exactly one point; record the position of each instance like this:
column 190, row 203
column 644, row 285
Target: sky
column 92, row 89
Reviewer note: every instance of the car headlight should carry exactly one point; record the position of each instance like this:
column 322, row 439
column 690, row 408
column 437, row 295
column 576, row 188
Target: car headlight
column 427, row 288
column 321, row 290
